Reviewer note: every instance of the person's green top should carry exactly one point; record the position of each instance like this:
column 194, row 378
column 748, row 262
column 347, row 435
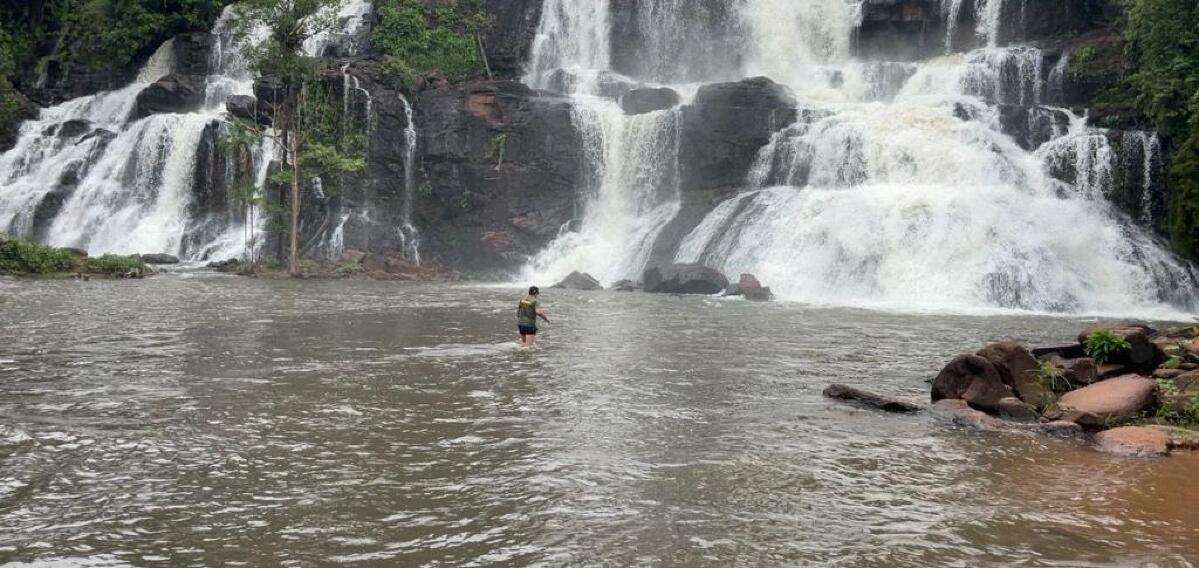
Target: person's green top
column 526, row 312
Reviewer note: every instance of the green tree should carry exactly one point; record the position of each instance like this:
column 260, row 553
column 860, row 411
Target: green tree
column 1163, row 43
column 419, row 36
column 281, row 58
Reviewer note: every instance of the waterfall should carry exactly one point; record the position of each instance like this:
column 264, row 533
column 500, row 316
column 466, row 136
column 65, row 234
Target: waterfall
column 408, row 232
column 902, row 185
column 88, row 174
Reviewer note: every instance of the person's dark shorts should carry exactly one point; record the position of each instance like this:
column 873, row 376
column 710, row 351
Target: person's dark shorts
column 527, row 329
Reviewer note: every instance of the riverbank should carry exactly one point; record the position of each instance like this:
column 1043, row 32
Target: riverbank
column 26, row 259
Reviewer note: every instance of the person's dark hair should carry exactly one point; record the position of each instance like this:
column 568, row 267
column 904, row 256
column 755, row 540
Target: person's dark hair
column 533, row 291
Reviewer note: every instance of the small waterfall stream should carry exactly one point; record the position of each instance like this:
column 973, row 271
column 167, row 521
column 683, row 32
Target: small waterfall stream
column 901, row 188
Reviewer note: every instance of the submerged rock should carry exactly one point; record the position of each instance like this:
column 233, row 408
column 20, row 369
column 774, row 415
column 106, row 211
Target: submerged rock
column 1108, row 401
column 579, row 281
column 843, row 392
column 1014, row 409
column 973, row 379
column 684, row 279
column 964, row 415
column 626, row 286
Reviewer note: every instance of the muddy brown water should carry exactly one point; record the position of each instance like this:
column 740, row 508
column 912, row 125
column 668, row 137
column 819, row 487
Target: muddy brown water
column 208, row 420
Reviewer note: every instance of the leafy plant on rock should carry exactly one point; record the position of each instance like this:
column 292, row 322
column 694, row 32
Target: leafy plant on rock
column 1103, row 344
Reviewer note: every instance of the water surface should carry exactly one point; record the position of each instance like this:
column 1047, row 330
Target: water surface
column 210, row 420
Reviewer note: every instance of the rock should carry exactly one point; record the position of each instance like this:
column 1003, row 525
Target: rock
column 230, row 265
column 1080, row 371
column 971, row 378
column 1185, row 390
column 579, row 281
column 160, row 258
column 20, row 110
column 900, row 30
column 1013, row 408
column 510, row 36
column 684, row 279
column 74, row 127
column 1142, row 352
column 244, row 107
column 1104, row 371
column 748, row 281
column 1168, row 373
column 626, row 286
column 193, row 53
column 174, row 93
column 724, row 127
column 1108, row 401
column 641, row 101
column 1180, row 438
column 1017, row 369
column 759, row 294
column 76, row 252
column 1032, row 126
column 964, row 415
column 1133, row 441
column 1063, row 428
column 868, row 398
column 1070, row 351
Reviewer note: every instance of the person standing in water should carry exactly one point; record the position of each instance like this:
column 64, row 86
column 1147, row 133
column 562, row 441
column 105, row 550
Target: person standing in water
column 527, row 313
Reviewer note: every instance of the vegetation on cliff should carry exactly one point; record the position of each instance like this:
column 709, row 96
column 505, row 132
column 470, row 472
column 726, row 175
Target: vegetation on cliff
column 418, row 37
column 1163, row 43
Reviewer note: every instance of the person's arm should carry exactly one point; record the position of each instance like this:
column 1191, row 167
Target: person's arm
column 541, row 314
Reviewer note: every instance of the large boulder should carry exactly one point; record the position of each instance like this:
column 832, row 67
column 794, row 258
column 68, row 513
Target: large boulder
column 973, row 379
column 193, row 53
column 1108, row 401
column 1015, row 409
column 725, row 126
column 867, row 398
column 1133, row 441
column 641, row 101
column 174, row 93
column 579, row 281
column 684, row 279
column 1017, row 369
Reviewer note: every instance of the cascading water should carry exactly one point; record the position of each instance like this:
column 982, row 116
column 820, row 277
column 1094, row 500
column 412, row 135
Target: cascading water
column 899, row 187
column 408, row 232
column 90, row 174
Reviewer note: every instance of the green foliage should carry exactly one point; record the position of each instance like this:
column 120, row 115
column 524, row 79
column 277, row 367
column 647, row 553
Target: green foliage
column 497, row 149
column 24, row 257
column 114, row 265
column 1163, row 42
column 418, row 36
column 1167, row 411
column 1172, row 363
column 1051, row 377
column 1102, row 344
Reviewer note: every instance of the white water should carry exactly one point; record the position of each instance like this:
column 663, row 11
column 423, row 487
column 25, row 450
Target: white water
column 135, row 179
column 408, row 232
column 887, row 197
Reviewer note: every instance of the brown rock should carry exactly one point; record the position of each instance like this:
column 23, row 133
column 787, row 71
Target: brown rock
column 1014, row 409
column 1180, row 438
column 972, row 379
column 963, row 415
column 1163, row 373
column 1133, row 441
column 1189, row 366
column 1064, row 428
column 842, row 392
column 1106, row 401
column 1186, row 389
column 1081, row 371
column 1017, row 369
column 1104, row 371
column 1070, row 351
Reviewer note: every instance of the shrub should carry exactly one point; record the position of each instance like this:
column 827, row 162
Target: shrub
column 30, row 258
column 418, row 38
column 114, row 265
column 1103, row 344
column 1051, row 377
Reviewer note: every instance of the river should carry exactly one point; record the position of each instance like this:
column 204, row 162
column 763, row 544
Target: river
column 200, row 419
